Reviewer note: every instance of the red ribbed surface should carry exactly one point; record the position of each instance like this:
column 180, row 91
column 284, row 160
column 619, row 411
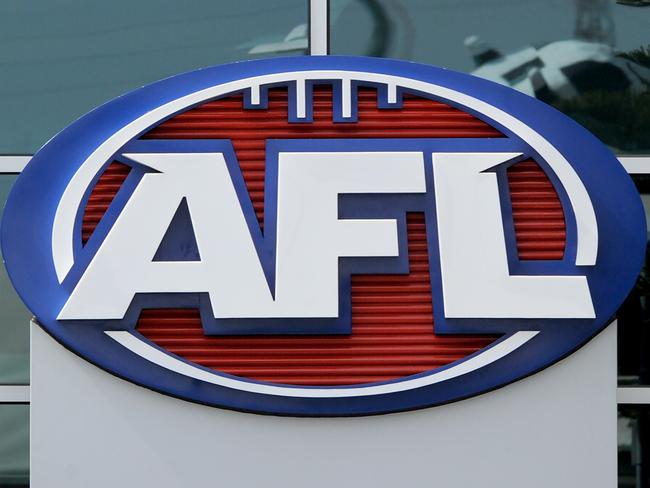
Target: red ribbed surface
column 537, row 213
column 249, row 129
column 392, row 335
column 102, row 195
column 392, row 321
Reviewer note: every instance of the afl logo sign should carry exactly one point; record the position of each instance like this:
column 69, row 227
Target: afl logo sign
column 323, row 236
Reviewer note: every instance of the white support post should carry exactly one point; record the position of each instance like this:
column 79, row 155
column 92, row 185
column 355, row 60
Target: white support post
column 639, row 165
column 318, row 27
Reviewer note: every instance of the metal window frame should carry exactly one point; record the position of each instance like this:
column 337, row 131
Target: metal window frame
column 14, row 394
column 13, row 164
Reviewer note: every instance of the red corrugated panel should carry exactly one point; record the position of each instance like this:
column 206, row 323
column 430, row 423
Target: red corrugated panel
column 102, row 195
column 537, row 213
column 392, row 334
column 392, row 321
column 249, row 129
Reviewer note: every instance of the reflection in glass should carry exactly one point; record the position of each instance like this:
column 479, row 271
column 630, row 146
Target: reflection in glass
column 14, row 446
column 588, row 58
column 634, row 315
column 14, row 320
column 59, row 59
column 633, row 446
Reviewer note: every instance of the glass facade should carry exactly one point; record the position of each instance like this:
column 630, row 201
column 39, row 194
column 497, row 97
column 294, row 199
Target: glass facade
column 588, row 58
column 634, row 316
column 61, row 58
column 14, row 445
column 633, row 452
column 14, row 321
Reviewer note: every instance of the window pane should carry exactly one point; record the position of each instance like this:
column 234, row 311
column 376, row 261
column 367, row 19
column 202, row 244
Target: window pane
column 14, row 446
column 14, row 320
column 634, row 315
column 589, row 58
column 633, row 446
column 61, row 58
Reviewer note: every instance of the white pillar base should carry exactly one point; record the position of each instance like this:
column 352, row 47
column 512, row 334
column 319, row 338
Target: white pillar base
column 555, row 429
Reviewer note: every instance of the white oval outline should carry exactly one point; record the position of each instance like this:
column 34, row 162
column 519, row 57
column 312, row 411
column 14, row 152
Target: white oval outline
column 484, row 358
column 66, row 212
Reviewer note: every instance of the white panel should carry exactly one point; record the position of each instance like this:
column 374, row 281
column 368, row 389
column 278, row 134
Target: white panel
column 310, row 236
column 229, row 269
column 554, row 429
column 476, row 281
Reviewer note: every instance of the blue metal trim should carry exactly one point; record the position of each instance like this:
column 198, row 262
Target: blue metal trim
column 27, row 226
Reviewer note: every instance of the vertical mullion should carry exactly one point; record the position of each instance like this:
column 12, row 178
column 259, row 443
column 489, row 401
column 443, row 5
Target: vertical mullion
column 318, row 27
